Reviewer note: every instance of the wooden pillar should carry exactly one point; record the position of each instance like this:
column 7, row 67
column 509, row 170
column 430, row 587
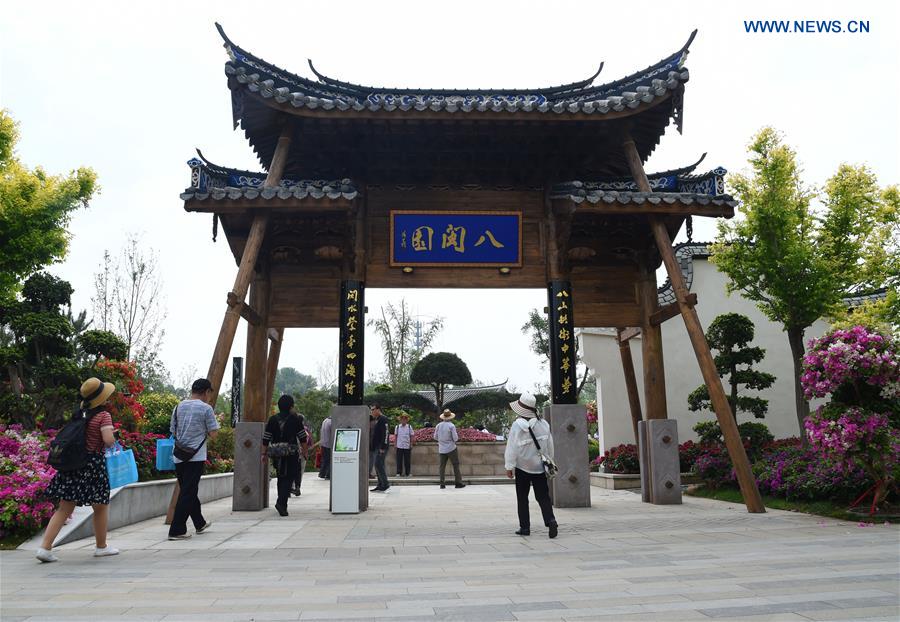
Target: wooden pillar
column 236, row 296
column 246, row 268
column 651, row 347
column 634, row 402
column 717, row 395
column 255, row 406
column 352, row 346
column 272, row 363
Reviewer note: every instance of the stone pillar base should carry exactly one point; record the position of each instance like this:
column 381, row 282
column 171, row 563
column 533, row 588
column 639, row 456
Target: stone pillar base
column 660, row 467
column 355, row 417
column 251, row 475
column 571, row 488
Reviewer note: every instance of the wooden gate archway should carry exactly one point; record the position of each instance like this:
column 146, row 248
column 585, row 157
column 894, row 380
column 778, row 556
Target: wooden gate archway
column 384, row 187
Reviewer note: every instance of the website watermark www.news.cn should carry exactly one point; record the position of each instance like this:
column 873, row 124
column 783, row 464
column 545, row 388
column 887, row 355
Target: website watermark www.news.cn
column 806, row 26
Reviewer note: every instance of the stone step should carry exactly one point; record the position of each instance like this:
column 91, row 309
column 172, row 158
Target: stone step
column 434, row 481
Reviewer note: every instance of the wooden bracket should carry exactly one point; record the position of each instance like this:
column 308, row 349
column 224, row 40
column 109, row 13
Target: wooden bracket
column 624, row 334
column 671, row 310
column 274, row 335
column 247, row 312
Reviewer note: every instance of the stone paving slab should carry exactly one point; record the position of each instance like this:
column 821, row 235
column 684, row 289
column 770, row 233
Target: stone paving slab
column 421, row 553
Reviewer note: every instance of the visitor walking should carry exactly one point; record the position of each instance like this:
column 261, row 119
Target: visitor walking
column 193, row 421
column 88, row 485
column 378, row 446
column 403, row 440
column 282, row 438
column 371, row 436
column 446, row 436
column 303, row 457
column 326, row 439
column 523, row 461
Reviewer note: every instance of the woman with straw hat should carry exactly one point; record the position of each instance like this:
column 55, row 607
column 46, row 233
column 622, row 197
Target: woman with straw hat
column 529, row 437
column 88, row 485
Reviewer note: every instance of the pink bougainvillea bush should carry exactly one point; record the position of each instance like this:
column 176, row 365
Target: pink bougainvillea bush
column 859, row 369
column 857, row 440
column 853, row 365
column 24, row 475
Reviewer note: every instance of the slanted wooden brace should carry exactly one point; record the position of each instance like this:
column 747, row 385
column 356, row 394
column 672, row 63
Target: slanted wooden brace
column 719, row 400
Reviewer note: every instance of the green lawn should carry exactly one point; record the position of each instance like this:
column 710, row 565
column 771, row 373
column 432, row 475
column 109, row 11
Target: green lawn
column 819, row 508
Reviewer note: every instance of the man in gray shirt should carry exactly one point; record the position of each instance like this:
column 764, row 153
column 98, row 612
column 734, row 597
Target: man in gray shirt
column 446, row 436
column 192, row 421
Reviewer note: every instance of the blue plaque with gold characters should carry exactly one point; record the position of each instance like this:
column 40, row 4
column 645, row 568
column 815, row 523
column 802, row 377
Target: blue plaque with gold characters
column 462, row 239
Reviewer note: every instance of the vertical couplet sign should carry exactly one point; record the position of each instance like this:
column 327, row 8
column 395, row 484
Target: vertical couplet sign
column 350, row 373
column 563, row 378
column 237, row 375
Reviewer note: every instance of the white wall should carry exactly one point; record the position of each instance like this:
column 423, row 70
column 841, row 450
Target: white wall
column 601, row 353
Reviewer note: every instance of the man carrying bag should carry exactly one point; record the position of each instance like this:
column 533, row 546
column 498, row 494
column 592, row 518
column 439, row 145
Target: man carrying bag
column 192, row 422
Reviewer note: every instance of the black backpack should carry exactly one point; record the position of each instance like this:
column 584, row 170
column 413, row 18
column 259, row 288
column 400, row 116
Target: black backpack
column 68, row 451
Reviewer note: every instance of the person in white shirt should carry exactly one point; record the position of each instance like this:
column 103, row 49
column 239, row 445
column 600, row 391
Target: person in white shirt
column 523, row 461
column 403, row 440
column 446, row 436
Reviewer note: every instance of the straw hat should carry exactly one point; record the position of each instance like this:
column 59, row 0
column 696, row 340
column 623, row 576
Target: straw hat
column 403, row 415
column 93, row 392
column 525, row 406
column 447, row 415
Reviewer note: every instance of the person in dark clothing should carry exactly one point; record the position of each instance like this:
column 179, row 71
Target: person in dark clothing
column 378, row 445
column 283, row 438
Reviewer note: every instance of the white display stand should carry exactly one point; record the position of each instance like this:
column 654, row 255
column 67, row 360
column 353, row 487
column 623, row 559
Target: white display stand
column 345, row 471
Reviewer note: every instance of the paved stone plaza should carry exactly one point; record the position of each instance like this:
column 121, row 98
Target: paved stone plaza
column 424, row 553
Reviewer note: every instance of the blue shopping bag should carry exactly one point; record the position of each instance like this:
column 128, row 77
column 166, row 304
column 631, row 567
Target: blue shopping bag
column 165, row 461
column 121, row 466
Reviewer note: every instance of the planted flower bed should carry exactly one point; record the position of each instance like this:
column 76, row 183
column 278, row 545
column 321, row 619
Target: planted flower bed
column 24, row 473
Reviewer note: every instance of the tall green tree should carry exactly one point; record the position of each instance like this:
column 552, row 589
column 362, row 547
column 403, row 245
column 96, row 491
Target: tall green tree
column 440, row 370
column 404, row 340
column 730, row 335
column 289, row 381
column 35, row 209
column 537, row 328
column 794, row 261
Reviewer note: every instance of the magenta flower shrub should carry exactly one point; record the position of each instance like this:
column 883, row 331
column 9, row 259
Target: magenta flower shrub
column 789, row 471
column 854, row 365
column 857, row 430
column 24, row 475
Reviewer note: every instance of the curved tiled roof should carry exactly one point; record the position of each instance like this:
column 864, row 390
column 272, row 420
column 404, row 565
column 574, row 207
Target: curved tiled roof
column 681, row 180
column 271, row 82
column 453, row 395
column 211, row 181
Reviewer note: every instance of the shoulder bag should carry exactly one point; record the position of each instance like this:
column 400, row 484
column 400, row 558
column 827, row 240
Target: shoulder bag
column 282, row 449
column 550, row 468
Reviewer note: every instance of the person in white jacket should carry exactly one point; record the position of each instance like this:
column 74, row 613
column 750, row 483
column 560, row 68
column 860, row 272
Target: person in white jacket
column 523, row 461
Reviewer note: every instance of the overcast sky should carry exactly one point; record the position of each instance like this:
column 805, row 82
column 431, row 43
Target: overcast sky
column 131, row 88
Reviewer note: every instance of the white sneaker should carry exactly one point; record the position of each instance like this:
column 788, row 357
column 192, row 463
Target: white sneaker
column 46, row 556
column 105, row 552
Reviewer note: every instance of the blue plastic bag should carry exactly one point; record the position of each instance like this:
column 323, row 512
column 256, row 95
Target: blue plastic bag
column 121, row 466
column 165, row 461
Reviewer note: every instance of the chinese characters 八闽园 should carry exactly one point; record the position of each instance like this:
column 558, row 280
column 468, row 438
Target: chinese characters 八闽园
column 456, row 238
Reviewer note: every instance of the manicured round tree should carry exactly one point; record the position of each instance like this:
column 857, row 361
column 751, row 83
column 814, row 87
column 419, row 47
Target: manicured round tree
column 730, row 334
column 440, row 369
